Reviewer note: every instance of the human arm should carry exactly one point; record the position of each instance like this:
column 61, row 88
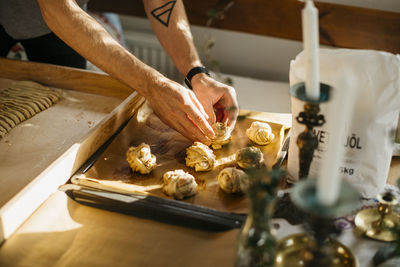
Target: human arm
column 176, row 106
column 170, row 23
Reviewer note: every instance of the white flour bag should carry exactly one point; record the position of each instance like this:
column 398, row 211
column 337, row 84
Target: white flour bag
column 374, row 79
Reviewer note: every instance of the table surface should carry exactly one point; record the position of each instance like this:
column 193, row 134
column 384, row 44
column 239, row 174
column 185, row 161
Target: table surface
column 64, row 233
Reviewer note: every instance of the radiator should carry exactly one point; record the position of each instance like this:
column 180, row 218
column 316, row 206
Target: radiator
column 146, row 47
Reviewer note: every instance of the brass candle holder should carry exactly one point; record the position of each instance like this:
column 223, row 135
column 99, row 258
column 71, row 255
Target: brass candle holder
column 307, row 141
column 380, row 223
column 317, row 247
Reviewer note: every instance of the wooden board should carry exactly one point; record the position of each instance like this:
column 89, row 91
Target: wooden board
column 64, row 77
column 169, row 147
column 32, row 146
column 370, row 29
column 42, row 153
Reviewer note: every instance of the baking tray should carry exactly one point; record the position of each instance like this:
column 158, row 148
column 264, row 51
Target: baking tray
column 110, row 171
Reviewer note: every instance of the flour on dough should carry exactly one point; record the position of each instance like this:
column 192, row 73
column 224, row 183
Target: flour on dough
column 232, row 180
column 260, row 133
column 222, row 135
column 200, row 157
column 140, row 158
column 249, row 157
column 179, row 184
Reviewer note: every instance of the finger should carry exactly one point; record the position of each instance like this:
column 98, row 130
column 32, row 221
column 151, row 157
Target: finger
column 211, row 114
column 220, row 114
column 198, row 104
column 199, row 120
column 231, row 115
column 227, row 115
column 179, row 127
column 193, row 131
column 230, row 109
column 188, row 128
column 182, row 124
column 208, row 110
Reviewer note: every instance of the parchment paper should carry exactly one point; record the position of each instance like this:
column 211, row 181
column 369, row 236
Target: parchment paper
column 170, row 149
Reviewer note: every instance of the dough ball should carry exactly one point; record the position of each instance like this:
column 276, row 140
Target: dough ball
column 179, row 184
column 222, row 135
column 260, row 133
column 200, row 157
column 140, row 158
column 232, row 180
column 249, row 157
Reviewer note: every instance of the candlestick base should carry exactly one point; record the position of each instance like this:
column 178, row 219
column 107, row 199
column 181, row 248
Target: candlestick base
column 304, row 196
column 294, row 250
column 317, row 247
column 380, row 223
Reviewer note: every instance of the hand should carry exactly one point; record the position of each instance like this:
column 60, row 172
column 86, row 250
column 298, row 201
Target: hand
column 179, row 108
column 217, row 96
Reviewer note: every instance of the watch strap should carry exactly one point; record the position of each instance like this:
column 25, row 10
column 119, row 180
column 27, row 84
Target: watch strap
column 193, row 72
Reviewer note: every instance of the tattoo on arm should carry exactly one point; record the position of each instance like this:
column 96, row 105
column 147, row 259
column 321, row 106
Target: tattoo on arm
column 163, row 13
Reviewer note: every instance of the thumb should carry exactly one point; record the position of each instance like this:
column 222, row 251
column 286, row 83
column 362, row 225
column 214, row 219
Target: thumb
column 209, row 109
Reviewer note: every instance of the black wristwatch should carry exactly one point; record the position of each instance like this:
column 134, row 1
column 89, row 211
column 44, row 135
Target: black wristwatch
column 194, row 71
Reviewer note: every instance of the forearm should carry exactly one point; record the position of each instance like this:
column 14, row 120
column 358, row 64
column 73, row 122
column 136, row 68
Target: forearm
column 176, row 38
column 81, row 32
column 174, row 35
column 176, row 106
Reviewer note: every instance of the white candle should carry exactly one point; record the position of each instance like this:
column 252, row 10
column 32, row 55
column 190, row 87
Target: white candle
column 311, row 45
column 329, row 180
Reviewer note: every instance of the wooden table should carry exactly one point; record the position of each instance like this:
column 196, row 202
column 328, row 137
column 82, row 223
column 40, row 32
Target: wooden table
column 63, row 233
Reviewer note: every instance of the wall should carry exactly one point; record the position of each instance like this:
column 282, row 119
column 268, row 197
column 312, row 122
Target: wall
column 386, row 5
column 238, row 53
column 252, row 55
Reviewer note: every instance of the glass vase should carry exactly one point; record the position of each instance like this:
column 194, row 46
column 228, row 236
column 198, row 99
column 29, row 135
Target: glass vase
column 256, row 242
